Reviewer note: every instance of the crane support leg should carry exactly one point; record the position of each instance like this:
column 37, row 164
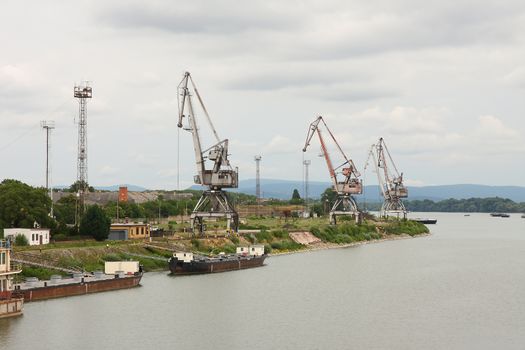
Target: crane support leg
column 213, row 204
column 393, row 207
column 345, row 205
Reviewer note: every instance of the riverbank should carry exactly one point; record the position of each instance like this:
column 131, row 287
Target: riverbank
column 85, row 256
column 325, row 246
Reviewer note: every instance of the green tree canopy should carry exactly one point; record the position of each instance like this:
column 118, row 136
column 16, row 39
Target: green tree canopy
column 296, row 197
column 76, row 186
column 21, row 205
column 95, row 223
column 65, row 209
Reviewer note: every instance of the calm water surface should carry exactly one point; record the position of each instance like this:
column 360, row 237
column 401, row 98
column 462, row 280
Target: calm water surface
column 461, row 288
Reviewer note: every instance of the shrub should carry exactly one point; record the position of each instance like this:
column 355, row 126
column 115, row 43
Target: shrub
column 21, row 240
column 263, row 236
column 234, row 239
column 280, row 233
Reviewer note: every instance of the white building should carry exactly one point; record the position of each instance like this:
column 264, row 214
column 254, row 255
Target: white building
column 186, row 257
column 256, row 250
column 35, row 236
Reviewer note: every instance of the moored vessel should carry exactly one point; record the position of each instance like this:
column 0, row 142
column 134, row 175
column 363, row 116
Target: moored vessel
column 183, row 263
column 116, row 275
column 10, row 305
column 500, row 215
column 426, row 221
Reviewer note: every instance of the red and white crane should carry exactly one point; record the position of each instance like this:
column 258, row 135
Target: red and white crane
column 390, row 180
column 350, row 184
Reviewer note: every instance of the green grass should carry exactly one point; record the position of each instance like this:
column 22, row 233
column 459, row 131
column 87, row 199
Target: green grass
column 409, row 227
column 39, row 272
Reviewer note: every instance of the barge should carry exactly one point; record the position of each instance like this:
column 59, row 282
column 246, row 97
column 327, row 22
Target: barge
column 500, row 215
column 245, row 258
column 79, row 284
column 426, row 221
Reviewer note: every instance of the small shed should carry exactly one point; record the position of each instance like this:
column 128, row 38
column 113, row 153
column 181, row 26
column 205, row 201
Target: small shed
column 35, row 236
column 132, row 231
column 183, row 256
column 256, row 250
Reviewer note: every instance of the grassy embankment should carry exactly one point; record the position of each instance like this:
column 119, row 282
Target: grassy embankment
column 90, row 255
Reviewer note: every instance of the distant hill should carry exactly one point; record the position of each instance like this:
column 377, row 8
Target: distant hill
column 132, row 188
column 282, row 189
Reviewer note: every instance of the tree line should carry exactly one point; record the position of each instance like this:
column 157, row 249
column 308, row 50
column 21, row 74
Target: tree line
column 470, row 205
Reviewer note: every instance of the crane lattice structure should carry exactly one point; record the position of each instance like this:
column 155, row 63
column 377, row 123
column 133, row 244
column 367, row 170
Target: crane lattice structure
column 214, row 201
column 345, row 203
column 48, row 126
column 82, row 92
column 390, row 180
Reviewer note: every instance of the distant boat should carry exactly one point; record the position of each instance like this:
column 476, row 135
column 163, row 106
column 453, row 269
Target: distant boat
column 523, row 216
column 500, row 215
column 426, row 221
column 466, row 215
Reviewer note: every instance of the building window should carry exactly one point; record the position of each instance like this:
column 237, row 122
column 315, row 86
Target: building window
column 2, row 258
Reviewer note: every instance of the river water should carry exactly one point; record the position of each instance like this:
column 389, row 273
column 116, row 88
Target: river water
column 463, row 287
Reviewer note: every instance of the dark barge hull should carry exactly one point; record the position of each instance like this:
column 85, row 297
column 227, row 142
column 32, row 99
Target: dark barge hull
column 78, row 288
column 426, row 221
column 179, row 267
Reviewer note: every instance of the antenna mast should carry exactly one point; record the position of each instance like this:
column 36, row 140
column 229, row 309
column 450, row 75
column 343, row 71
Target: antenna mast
column 82, row 92
column 48, row 125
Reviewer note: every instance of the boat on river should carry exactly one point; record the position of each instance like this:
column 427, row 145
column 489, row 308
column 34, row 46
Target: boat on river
column 117, row 275
column 500, row 215
column 184, row 263
column 426, row 221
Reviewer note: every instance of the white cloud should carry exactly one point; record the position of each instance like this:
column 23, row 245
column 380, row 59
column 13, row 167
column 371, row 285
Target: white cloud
column 108, row 170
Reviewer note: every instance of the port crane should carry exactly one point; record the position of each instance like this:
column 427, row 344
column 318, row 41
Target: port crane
column 214, row 202
column 390, row 180
column 345, row 203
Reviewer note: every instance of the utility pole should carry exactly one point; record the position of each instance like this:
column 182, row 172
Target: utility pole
column 48, row 125
column 306, row 164
column 82, row 92
column 258, row 180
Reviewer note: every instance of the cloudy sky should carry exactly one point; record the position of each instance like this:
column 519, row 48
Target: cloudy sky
column 443, row 83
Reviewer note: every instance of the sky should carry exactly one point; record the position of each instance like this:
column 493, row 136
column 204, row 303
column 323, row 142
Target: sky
column 443, row 83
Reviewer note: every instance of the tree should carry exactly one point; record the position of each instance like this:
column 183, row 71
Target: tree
column 65, row 209
column 76, row 186
column 95, row 223
column 296, row 197
column 328, row 198
column 21, row 205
